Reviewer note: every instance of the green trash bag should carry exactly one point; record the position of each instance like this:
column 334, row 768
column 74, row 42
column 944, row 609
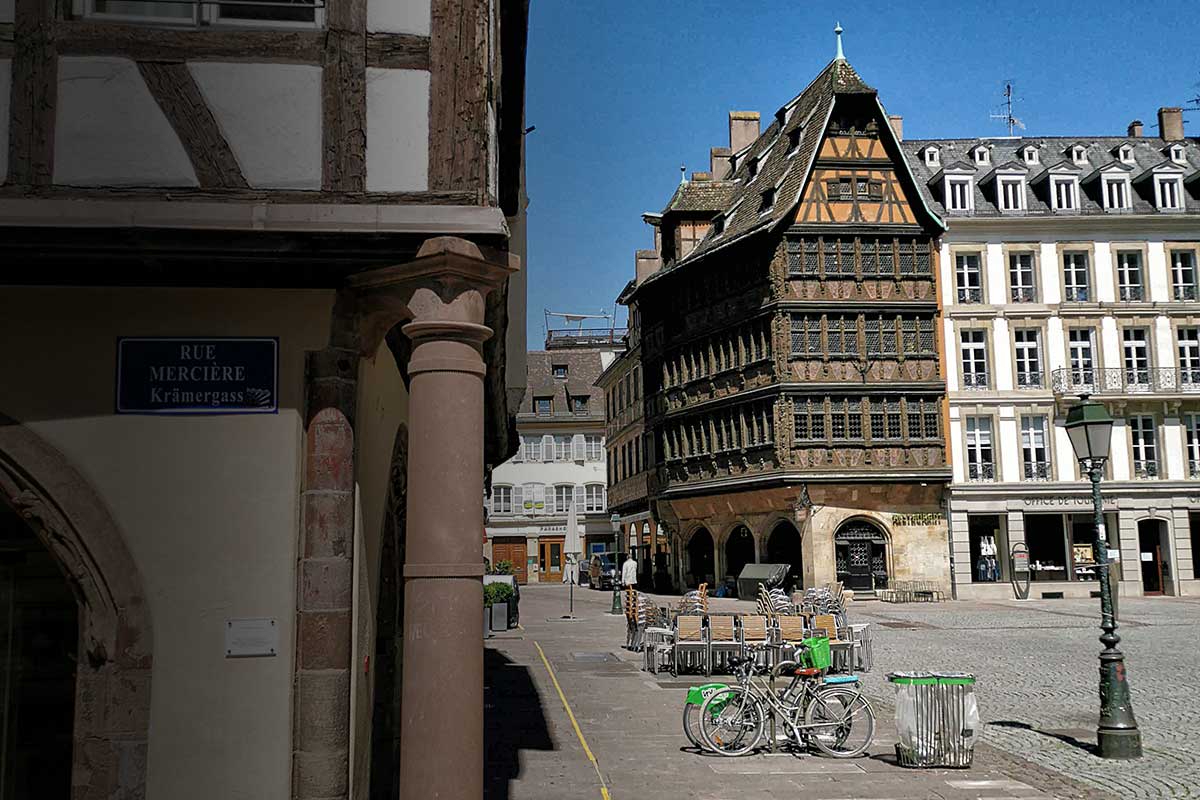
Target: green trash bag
column 816, row 653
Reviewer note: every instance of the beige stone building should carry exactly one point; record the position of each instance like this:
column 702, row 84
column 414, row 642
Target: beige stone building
column 261, row 313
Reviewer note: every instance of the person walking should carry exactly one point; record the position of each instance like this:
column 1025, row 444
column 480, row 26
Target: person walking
column 629, row 571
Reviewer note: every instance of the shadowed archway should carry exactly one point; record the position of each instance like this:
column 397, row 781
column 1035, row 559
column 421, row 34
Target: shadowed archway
column 783, row 547
column 739, row 551
column 700, row 565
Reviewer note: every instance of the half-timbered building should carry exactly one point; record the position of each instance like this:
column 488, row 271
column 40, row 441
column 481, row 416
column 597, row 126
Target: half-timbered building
column 792, row 381
column 245, row 249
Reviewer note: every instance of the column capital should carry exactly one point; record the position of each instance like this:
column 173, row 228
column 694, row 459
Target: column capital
column 439, row 294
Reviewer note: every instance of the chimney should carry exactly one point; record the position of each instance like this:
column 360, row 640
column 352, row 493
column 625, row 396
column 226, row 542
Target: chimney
column 897, row 123
column 1134, row 131
column 701, row 176
column 1170, row 124
column 743, row 129
column 646, row 264
column 718, row 160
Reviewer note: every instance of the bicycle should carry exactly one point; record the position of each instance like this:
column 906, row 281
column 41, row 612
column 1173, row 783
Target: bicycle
column 837, row 719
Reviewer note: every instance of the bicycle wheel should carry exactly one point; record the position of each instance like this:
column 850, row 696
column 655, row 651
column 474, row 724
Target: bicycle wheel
column 691, row 725
column 840, row 722
column 731, row 722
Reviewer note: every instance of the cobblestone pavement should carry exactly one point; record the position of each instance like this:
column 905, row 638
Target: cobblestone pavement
column 1034, row 662
column 1037, row 669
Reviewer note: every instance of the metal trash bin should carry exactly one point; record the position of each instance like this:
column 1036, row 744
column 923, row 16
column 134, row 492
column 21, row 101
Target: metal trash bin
column 937, row 718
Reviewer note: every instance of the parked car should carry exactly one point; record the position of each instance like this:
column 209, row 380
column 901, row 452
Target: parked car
column 602, row 573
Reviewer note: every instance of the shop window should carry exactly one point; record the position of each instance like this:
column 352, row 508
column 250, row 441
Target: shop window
column 1047, row 542
column 989, row 548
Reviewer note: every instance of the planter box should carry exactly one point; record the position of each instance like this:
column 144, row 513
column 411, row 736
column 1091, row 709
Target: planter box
column 487, row 622
column 499, row 616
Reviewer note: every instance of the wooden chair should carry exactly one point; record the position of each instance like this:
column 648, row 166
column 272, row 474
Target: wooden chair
column 722, row 638
column 840, row 643
column 688, row 638
column 757, row 637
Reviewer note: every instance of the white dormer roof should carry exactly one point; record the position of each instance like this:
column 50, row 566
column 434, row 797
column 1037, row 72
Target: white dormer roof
column 1030, row 154
column 982, row 154
column 1077, row 152
column 1176, row 153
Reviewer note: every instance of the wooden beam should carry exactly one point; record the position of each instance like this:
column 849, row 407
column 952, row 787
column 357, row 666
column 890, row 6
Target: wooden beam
column 458, row 94
column 397, row 51
column 6, row 40
column 34, row 91
column 176, row 92
column 344, row 98
column 83, row 38
column 245, row 195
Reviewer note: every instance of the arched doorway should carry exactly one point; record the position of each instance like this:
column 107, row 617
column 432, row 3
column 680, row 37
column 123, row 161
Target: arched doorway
column 739, row 551
column 700, row 566
column 783, row 547
column 1155, row 559
column 39, row 648
column 861, row 551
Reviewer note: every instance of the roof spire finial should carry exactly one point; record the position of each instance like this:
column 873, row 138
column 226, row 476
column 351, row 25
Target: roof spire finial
column 682, row 174
column 838, row 32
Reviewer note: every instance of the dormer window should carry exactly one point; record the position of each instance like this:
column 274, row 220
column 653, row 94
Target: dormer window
column 959, row 194
column 559, row 371
column 794, row 140
column 1031, row 154
column 1116, row 192
column 718, row 225
column 1064, row 193
column 752, row 168
column 1177, row 154
column 982, row 156
column 1125, row 154
column 1010, row 193
column 1168, row 192
column 768, row 201
column 1079, row 154
column 932, row 157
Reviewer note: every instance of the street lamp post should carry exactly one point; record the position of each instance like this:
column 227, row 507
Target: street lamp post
column 616, row 529
column 1089, row 427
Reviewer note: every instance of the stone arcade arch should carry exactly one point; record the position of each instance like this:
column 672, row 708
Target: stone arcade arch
column 115, row 636
column 739, row 551
column 700, row 564
column 861, row 546
column 783, row 547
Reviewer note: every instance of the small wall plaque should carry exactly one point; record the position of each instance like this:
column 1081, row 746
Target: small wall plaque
column 254, row 637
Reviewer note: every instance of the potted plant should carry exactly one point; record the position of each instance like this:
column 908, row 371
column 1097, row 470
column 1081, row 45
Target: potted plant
column 497, row 596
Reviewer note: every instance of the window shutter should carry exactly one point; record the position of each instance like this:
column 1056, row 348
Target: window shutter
column 539, row 496
column 603, row 498
column 547, row 448
column 580, row 500
column 579, row 447
column 518, row 500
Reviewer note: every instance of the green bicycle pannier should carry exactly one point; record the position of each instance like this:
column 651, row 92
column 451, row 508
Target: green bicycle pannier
column 816, row 653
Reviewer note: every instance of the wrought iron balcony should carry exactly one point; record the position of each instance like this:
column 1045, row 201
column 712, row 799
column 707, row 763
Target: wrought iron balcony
column 1037, row 471
column 968, row 295
column 1030, row 380
column 1077, row 294
column 975, row 380
column 981, row 472
column 1119, row 380
column 1194, row 469
column 1132, row 293
column 1024, row 294
column 1145, row 469
column 1185, row 292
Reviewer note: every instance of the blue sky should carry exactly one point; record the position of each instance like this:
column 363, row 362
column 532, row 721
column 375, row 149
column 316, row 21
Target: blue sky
column 623, row 93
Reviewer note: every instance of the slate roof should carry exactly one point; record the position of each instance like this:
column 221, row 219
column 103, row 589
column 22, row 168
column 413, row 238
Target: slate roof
column 1053, row 153
column 583, row 368
column 779, row 166
column 703, row 195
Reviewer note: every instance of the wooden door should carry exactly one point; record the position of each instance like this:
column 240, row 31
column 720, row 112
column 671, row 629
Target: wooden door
column 550, row 559
column 511, row 549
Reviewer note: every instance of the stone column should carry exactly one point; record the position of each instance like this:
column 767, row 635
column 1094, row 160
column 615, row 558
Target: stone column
column 441, row 294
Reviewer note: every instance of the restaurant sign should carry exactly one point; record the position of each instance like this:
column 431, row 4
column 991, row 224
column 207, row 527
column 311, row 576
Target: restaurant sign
column 197, row 376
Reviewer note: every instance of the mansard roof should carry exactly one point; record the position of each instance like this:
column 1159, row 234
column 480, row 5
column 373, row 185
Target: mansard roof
column 1149, row 155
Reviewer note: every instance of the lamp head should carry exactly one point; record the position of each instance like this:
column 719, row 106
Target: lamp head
column 1089, row 427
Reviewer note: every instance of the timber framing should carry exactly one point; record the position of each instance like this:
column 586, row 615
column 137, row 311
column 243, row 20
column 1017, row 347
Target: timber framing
column 176, row 92
column 344, row 98
column 34, row 90
column 397, row 51
column 6, row 40
column 460, row 85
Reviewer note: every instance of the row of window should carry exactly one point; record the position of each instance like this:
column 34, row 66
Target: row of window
column 1137, row 360
column 544, row 405
column 867, row 420
column 1144, row 447
column 859, row 257
column 569, row 447
column 725, row 430
column 625, row 393
column 734, row 348
column 537, row 498
column 981, row 154
column 627, row 459
column 1062, row 193
column 1077, row 279
column 852, row 336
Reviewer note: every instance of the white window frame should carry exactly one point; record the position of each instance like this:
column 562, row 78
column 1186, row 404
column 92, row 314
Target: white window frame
column 1177, row 154
column 594, row 443
column 1143, row 445
column 1035, row 448
column 1135, row 358
column 968, row 188
column 1175, row 195
column 973, row 356
column 206, row 14
column 1071, row 270
column 981, row 155
column 1121, row 182
column 562, row 447
column 963, row 273
column 562, row 490
column 502, row 499
column 1080, row 342
column 979, row 444
column 1191, row 434
column 1183, row 262
column 1005, row 181
column 1125, row 154
column 533, row 448
column 1068, row 200
column 595, row 498
column 1021, row 264
column 1078, row 154
column 1129, row 263
column 1027, row 358
column 1188, row 350
column 933, row 157
column 1031, row 155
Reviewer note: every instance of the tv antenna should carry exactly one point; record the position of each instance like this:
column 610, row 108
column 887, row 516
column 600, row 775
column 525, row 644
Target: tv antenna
column 1007, row 117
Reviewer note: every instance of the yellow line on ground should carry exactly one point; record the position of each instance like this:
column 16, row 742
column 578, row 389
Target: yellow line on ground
column 574, row 724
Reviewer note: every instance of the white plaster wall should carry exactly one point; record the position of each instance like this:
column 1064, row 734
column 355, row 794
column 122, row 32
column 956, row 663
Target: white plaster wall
column 109, row 131
column 208, row 507
column 956, row 447
column 1008, row 446
column 953, row 362
column 1118, row 450
column 1056, row 344
column 1002, row 370
column 1165, row 350
column 994, row 268
column 5, row 92
column 1158, row 272
column 1174, row 448
column 1103, row 275
column 1064, row 453
column 945, row 277
column 397, row 130
column 1110, row 344
column 7, row 6
column 397, row 16
column 1051, row 274
column 271, row 117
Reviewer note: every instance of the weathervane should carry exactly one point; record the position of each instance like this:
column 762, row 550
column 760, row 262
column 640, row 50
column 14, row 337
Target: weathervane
column 838, row 32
